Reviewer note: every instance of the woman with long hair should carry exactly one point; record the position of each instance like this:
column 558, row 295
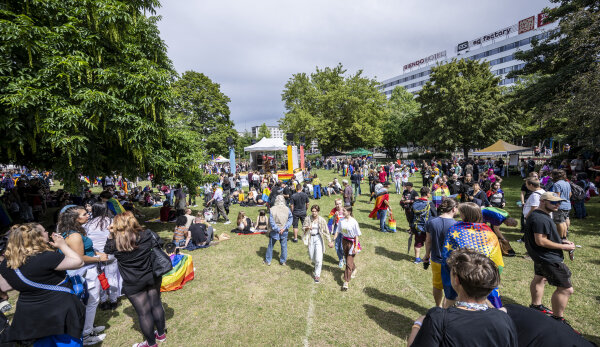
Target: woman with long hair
column 132, row 246
column 244, row 223
column 262, row 221
column 70, row 226
column 350, row 231
column 42, row 316
column 316, row 228
column 97, row 230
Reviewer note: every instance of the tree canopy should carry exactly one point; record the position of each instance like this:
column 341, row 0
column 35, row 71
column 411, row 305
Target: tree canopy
column 264, row 131
column 462, row 107
column 403, row 110
column 340, row 111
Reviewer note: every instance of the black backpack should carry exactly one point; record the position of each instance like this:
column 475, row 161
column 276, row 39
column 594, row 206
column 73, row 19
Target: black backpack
column 577, row 193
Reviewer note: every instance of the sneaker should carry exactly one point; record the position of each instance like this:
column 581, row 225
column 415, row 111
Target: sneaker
column 265, row 262
column 345, row 287
column 98, row 329
column 92, row 339
column 283, row 264
column 160, row 338
column 511, row 253
column 418, row 261
column 144, row 344
column 317, row 279
column 341, row 265
column 354, row 273
column 564, row 321
column 228, row 222
column 5, row 306
column 545, row 310
column 295, row 240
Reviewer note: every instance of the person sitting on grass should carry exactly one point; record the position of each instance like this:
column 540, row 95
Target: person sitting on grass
column 167, row 214
column 244, row 223
column 471, row 322
column 181, row 234
column 262, row 221
column 201, row 233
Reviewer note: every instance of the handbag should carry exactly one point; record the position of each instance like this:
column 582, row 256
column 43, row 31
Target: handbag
column 80, row 289
column 391, row 223
column 161, row 262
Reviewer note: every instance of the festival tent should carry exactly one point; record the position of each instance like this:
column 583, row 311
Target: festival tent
column 501, row 148
column 221, row 159
column 361, row 152
column 267, row 145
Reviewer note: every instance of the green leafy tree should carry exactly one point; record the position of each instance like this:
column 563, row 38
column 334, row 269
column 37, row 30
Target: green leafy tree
column 84, row 86
column 199, row 102
column 403, row 110
column 340, row 111
column 462, row 106
column 564, row 96
column 243, row 141
column 264, row 131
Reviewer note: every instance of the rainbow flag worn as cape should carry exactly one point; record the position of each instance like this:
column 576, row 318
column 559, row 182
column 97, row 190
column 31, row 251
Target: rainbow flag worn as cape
column 265, row 195
column 439, row 192
column 379, row 205
column 494, row 215
column 182, row 272
column 332, row 220
column 115, row 206
column 478, row 237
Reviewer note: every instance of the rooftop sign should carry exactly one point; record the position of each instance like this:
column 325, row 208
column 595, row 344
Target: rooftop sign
column 426, row 60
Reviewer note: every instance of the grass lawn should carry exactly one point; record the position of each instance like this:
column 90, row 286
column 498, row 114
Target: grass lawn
column 236, row 300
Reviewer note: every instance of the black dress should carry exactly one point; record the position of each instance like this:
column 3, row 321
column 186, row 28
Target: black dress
column 42, row 312
column 136, row 266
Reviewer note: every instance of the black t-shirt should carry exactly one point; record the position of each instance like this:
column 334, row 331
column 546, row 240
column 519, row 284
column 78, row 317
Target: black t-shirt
column 412, row 195
column 287, row 192
column 455, row 187
column 39, row 268
column 198, row 233
column 458, row 327
column 540, row 222
column 536, row 329
column 299, row 200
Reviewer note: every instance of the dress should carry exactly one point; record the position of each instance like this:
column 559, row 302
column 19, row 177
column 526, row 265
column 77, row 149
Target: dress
column 32, row 319
column 135, row 266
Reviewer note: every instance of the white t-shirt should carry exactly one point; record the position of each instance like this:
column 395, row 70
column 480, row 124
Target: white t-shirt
column 533, row 201
column 314, row 227
column 349, row 228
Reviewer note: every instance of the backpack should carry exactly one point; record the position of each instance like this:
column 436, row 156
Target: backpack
column 422, row 212
column 577, row 193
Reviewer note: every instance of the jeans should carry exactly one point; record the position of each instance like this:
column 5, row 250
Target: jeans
column 338, row 247
column 357, row 191
column 170, row 198
column 283, row 242
column 317, row 191
column 398, row 186
column 579, row 207
column 382, row 220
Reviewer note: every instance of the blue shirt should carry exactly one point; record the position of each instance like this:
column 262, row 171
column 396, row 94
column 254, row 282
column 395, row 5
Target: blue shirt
column 437, row 228
column 564, row 189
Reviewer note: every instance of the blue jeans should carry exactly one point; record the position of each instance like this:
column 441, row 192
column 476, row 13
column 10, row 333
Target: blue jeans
column 580, row 211
column 357, row 191
column 283, row 241
column 338, row 247
column 170, row 198
column 382, row 219
column 317, row 191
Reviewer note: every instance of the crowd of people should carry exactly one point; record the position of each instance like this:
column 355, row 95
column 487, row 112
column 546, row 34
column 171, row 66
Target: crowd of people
column 98, row 239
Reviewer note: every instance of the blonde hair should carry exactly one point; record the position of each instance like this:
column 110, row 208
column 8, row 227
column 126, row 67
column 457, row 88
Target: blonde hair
column 126, row 230
column 24, row 241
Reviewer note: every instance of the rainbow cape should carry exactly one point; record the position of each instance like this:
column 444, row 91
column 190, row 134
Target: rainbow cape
column 379, row 205
column 115, row 206
column 182, row 272
column 332, row 220
column 494, row 215
column 478, row 237
column 439, row 192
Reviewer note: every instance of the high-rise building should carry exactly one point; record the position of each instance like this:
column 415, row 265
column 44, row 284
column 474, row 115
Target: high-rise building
column 276, row 133
column 498, row 48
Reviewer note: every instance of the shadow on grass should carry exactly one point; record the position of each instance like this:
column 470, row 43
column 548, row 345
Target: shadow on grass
column 298, row 265
column 130, row 311
column 330, row 259
column 263, row 251
column 369, row 226
column 397, row 256
column 393, row 322
column 394, row 300
column 595, row 261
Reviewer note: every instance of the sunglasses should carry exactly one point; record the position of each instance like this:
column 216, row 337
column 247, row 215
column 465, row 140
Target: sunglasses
column 555, row 202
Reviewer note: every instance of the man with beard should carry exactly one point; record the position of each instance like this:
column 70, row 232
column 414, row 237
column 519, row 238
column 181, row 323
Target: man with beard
column 454, row 185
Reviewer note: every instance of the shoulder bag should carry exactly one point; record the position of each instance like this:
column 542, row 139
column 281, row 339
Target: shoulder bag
column 161, row 262
column 79, row 284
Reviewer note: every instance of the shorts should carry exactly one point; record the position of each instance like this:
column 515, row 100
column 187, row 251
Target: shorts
column 296, row 218
column 420, row 239
column 560, row 216
column 557, row 274
column 436, row 272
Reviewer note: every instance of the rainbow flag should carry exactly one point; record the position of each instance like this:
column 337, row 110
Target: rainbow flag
column 266, row 193
column 182, row 272
column 332, row 220
column 494, row 215
column 439, row 192
column 478, row 237
column 115, row 206
column 86, row 179
column 379, row 205
column 284, row 177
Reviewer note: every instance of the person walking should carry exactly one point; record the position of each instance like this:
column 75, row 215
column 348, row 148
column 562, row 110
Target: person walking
column 298, row 204
column 316, row 228
column 316, row 187
column 355, row 179
column 280, row 220
column 335, row 216
column 218, row 199
column 563, row 189
column 545, row 246
column 132, row 246
column 350, row 230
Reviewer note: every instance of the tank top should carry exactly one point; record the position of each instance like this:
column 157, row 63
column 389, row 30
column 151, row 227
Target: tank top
column 88, row 244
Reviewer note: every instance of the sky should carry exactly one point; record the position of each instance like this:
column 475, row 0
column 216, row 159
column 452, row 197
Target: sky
column 252, row 48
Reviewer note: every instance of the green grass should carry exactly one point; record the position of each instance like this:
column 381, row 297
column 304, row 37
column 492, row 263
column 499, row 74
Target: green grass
column 236, row 300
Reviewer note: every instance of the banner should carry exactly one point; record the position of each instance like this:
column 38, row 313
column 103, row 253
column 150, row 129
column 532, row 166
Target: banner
column 526, row 25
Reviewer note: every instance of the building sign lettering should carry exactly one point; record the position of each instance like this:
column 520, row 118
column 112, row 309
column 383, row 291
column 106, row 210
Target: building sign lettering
column 425, row 60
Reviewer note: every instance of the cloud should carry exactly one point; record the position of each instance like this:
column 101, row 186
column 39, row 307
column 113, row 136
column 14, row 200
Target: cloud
column 252, row 48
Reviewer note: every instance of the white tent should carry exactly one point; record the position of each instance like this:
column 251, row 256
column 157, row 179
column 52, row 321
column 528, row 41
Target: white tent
column 267, row 145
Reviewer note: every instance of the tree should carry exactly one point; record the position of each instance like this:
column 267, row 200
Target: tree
column 201, row 104
column 462, row 107
column 403, row 110
column 84, row 86
column 341, row 112
column 563, row 98
column 264, row 131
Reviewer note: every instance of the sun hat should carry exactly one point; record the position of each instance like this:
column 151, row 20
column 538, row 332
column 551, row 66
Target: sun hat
column 549, row 196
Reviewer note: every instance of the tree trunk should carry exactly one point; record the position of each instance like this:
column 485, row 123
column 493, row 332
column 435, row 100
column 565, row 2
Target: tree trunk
column 466, row 152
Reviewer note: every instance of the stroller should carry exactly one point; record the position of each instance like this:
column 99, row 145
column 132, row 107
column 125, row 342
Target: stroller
column 209, row 214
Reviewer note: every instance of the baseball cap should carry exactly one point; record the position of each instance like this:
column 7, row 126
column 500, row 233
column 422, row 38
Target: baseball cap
column 549, row 196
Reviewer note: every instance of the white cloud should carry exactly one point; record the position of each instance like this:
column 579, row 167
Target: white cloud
column 253, row 47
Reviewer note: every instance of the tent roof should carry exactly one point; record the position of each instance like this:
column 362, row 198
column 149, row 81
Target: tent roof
column 266, row 145
column 501, row 147
column 360, row 152
column 221, row 159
